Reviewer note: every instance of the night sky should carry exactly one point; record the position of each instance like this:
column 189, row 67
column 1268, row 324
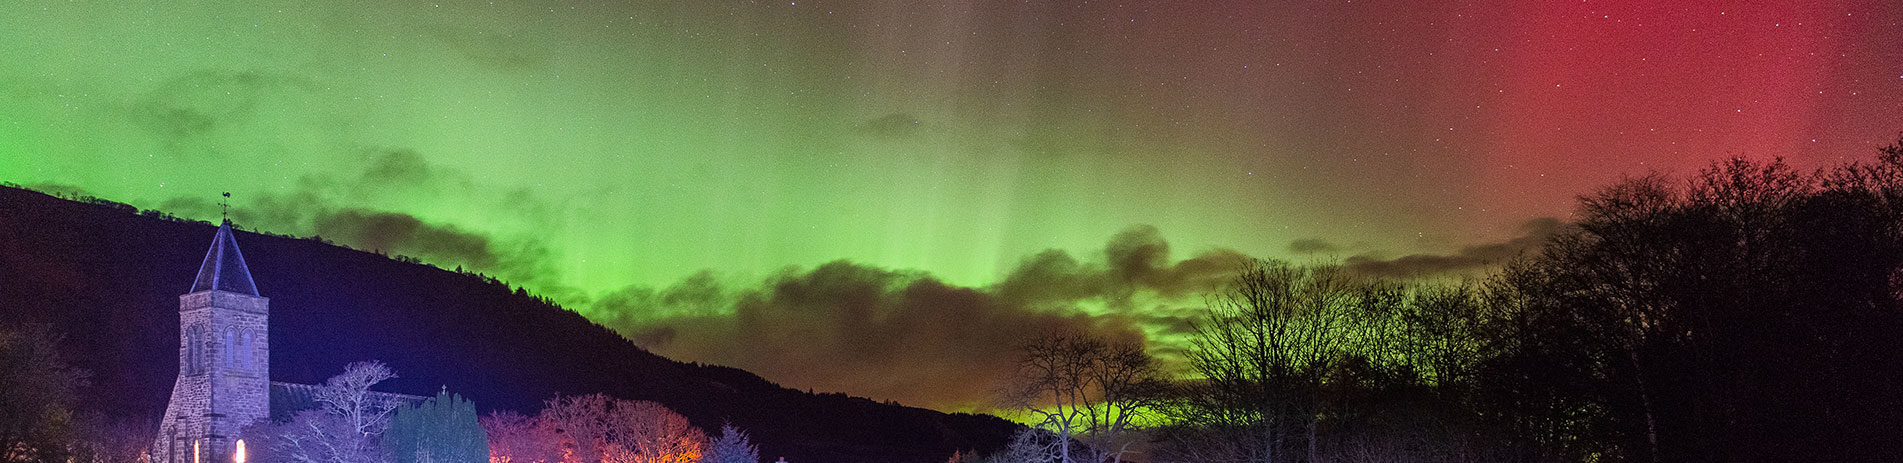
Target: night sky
column 879, row 197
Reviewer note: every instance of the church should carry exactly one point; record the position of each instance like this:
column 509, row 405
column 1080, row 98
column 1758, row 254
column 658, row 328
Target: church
column 224, row 364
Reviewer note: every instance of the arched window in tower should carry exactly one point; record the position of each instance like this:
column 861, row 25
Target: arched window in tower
column 226, row 349
column 194, row 362
column 244, row 352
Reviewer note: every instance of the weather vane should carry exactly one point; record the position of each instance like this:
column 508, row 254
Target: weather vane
column 224, row 207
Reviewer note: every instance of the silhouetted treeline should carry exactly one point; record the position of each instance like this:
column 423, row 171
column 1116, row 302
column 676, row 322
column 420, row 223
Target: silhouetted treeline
column 1747, row 313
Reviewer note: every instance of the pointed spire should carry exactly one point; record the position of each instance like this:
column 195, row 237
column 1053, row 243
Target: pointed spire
column 224, row 268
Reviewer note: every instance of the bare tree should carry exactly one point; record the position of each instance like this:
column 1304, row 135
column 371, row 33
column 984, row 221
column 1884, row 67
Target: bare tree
column 596, row 428
column 651, row 433
column 1031, row 445
column 313, row 436
column 1088, row 391
column 348, row 395
column 580, row 423
column 516, row 438
column 343, row 429
column 1263, row 352
column 1440, row 327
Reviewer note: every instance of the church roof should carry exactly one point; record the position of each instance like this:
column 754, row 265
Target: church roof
column 224, row 268
column 289, row 398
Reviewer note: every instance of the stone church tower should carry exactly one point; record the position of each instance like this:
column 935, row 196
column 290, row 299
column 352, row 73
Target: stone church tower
column 223, row 361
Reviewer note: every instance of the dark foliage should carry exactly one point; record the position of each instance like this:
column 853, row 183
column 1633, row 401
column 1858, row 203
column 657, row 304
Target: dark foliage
column 441, row 429
column 1753, row 312
column 37, row 392
column 110, row 278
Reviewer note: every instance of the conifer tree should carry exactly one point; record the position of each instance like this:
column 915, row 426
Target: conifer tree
column 733, row 447
column 441, row 429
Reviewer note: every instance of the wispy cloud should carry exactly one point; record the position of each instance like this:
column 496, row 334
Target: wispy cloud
column 1533, row 233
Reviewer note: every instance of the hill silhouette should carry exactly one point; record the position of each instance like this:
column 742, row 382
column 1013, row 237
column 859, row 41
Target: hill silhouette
column 108, row 276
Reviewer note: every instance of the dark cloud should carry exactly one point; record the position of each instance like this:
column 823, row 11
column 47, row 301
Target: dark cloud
column 389, row 231
column 188, row 206
column 312, row 208
column 1135, row 260
column 1136, row 253
column 1051, row 277
column 1140, row 259
column 863, row 330
column 907, row 336
column 509, row 51
column 323, row 206
column 187, row 109
column 398, row 166
column 1312, row 246
column 286, row 212
column 177, row 122
column 1168, row 323
column 895, row 125
column 1207, row 271
column 1533, row 233
column 405, row 173
column 698, row 295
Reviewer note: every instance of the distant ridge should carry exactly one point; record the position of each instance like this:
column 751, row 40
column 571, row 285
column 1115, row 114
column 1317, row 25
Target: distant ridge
column 108, row 276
